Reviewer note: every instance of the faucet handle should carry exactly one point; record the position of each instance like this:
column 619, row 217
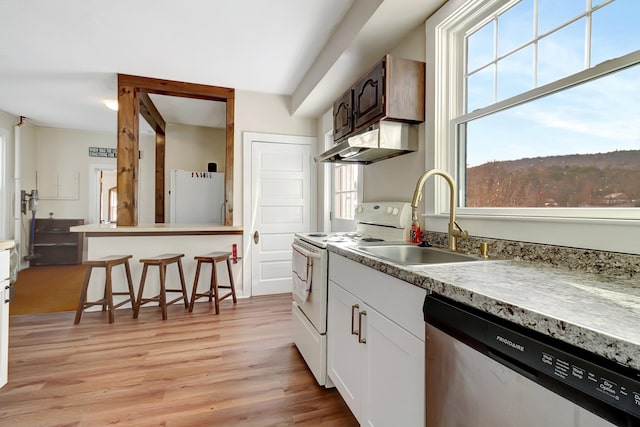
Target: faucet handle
column 458, row 231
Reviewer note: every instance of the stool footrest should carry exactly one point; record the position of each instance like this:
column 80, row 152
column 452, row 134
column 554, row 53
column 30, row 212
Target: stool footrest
column 162, row 261
column 121, row 303
column 213, row 292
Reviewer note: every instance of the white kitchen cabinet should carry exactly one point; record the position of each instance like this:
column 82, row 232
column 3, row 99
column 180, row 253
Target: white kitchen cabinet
column 345, row 354
column 5, row 290
column 376, row 344
column 58, row 185
column 394, row 374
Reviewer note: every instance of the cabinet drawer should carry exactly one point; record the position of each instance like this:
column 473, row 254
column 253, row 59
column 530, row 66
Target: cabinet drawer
column 397, row 300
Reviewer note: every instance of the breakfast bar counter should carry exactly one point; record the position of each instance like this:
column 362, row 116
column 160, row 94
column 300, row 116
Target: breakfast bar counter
column 102, row 230
column 149, row 240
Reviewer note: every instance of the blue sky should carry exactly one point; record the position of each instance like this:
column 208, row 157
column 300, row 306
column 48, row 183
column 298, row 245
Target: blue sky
column 600, row 116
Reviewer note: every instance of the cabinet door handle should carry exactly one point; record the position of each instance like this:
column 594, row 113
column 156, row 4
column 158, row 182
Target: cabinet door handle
column 353, row 308
column 8, row 290
column 360, row 316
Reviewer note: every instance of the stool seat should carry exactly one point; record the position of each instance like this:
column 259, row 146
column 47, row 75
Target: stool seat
column 213, row 292
column 161, row 261
column 107, row 262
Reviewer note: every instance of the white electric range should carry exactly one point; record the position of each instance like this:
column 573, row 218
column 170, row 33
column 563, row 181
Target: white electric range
column 375, row 222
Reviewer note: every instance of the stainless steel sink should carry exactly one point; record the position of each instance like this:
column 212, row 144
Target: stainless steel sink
column 414, row 255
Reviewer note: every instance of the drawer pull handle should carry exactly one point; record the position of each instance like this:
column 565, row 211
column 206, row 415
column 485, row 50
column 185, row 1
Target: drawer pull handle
column 353, row 308
column 360, row 316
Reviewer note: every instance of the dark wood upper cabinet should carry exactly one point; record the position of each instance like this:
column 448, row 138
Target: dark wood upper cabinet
column 343, row 115
column 392, row 90
column 369, row 96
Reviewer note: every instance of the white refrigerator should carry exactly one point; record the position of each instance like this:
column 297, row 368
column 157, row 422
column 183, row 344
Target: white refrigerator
column 196, row 197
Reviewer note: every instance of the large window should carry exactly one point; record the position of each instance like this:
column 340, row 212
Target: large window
column 343, row 188
column 547, row 108
column 345, row 191
column 533, row 108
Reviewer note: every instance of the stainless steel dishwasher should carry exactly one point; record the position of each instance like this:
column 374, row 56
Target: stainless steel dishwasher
column 484, row 371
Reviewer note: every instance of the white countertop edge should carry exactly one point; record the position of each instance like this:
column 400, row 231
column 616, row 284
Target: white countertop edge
column 151, row 228
column 6, row 244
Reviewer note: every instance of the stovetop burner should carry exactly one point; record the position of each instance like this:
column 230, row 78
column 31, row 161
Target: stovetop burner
column 317, row 235
column 371, row 239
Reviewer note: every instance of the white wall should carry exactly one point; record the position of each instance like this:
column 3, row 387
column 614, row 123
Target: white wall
column 191, row 148
column 323, row 183
column 27, row 173
column 7, row 123
column 395, row 179
column 147, row 179
column 261, row 112
column 64, row 153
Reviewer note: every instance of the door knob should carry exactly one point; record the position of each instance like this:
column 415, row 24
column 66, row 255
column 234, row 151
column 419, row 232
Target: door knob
column 256, row 237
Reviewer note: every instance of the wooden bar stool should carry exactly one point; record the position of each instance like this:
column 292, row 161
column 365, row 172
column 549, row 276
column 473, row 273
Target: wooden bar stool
column 107, row 263
column 161, row 261
column 213, row 294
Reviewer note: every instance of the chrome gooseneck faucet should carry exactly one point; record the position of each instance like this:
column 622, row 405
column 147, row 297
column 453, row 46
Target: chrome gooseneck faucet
column 455, row 231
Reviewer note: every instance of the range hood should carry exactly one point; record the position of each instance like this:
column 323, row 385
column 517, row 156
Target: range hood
column 380, row 141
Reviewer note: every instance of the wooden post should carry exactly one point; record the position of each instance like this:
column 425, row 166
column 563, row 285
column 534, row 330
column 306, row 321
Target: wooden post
column 228, row 163
column 128, row 149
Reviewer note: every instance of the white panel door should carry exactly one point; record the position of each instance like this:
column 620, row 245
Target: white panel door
column 280, row 207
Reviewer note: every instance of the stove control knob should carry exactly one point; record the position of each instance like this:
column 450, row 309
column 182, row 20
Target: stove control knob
column 396, row 211
column 359, row 209
column 390, row 210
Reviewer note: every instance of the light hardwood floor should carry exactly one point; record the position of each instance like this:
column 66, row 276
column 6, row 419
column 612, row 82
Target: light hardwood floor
column 238, row 368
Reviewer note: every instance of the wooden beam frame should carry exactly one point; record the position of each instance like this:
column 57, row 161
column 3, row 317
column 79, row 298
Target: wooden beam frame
column 151, row 114
column 132, row 93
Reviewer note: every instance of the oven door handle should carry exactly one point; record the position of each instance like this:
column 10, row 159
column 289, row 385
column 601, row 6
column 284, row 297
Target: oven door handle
column 305, row 252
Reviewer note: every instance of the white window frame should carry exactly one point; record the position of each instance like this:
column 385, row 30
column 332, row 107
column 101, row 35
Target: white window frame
column 573, row 227
column 337, row 224
column 341, row 224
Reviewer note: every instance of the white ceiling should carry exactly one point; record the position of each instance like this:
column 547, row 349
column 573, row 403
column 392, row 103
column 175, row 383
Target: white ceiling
column 60, row 59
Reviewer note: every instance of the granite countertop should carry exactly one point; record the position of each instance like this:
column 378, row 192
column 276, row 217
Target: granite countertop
column 593, row 312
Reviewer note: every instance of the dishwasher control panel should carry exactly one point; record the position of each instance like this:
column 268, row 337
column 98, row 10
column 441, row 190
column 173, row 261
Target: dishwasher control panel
column 611, row 387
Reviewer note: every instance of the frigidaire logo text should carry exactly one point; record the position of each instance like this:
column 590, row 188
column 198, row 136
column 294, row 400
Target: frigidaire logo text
column 510, row 343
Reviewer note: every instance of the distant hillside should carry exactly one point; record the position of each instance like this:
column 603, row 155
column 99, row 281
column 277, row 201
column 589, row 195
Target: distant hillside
column 580, row 180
